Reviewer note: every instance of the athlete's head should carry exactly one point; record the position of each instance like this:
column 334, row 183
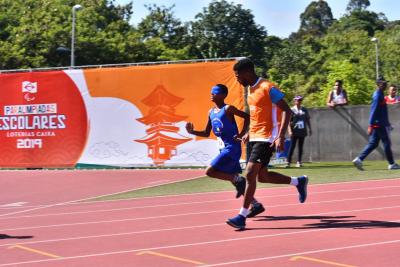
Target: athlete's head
column 297, row 100
column 244, row 72
column 381, row 83
column 338, row 84
column 219, row 93
column 392, row 90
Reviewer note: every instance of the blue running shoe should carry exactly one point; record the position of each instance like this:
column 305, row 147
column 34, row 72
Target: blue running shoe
column 240, row 186
column 302, row 188
column 238, row 222
column 255, row 210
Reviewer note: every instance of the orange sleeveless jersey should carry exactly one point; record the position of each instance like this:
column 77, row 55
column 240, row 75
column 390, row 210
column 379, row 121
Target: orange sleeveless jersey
column 265, row 116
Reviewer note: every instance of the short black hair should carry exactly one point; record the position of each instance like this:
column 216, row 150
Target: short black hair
column 339, row 81
column 381, row 80
column 223, row 88
column 244, row 64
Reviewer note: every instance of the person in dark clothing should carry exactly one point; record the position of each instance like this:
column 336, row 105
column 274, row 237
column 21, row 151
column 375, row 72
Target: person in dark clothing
column 379, row 128
column 300, row 127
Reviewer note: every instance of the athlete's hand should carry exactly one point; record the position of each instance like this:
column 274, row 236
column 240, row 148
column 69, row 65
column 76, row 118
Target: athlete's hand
column 189, row 127
column 237, row 138
column 369, row 131
column 279, row 143
column 245, row 138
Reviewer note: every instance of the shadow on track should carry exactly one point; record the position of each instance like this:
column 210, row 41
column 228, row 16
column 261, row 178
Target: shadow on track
column 326, row 222
column 3, row 236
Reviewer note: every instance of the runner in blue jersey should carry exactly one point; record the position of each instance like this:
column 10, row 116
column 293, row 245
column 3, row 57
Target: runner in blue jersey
column 221, row 121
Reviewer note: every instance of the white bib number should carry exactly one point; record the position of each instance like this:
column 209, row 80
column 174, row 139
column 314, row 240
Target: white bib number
column 221, row 144
column 300, row 125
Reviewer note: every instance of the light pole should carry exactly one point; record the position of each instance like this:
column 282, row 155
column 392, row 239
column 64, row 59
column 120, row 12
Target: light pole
column 376, row 41
column 74, row 9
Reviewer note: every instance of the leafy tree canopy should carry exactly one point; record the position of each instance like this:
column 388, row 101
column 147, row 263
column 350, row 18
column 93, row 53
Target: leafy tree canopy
column 227, row 30
column 316, row 19
column 308, row 62
column 357, row 5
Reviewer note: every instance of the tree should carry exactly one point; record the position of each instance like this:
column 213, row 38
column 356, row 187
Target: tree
column 161, row 23
column 272, row 45
column 389, row 48
column 227, row 30
column 316, row 19
column 34, row 29
column 361, row 20
column 164, row 37
column 357, row 5
column 292, row 58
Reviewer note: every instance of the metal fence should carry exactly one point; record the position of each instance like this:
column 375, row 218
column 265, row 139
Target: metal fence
column 121, row 65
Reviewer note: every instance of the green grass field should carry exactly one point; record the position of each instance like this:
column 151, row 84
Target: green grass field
column 319, row 173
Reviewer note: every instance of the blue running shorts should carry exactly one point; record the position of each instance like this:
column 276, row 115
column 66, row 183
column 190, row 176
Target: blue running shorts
column 225, row 163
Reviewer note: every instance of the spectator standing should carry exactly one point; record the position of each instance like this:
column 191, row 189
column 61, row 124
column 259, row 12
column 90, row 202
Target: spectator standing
column 338, row 96
column 392, row 97
column 300, row 127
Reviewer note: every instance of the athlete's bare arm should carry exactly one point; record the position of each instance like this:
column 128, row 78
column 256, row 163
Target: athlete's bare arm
column 329, row 102
column 286, row 115
column 205, row 133
column 233, row 111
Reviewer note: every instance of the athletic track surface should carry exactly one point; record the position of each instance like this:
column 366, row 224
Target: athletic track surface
column 341, row 224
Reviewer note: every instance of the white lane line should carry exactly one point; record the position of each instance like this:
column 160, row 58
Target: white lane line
column 85, row 199
column 79, row 202
column 304, row 253
column 159, row 181
column 75, row 202
column 21, row 207
column 218, row 242
column 219, row 192
column 197, row 226
column 13, row 205
column 118, row 234
column 205, row 202
column 332, row 263
column 160, row 217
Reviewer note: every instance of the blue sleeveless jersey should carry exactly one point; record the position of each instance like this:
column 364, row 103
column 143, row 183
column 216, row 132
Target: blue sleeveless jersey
column 225, row 130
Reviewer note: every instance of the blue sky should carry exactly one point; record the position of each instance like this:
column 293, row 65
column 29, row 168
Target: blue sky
column 279, row 17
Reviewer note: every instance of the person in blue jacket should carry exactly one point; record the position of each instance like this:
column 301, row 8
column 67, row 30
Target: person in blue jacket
column 379, row 128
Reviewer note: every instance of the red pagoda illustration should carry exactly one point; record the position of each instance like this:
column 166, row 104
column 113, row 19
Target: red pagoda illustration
column 162, row 135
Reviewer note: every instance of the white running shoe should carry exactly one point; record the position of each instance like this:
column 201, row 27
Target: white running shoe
column 358, row 164
column 394, row 166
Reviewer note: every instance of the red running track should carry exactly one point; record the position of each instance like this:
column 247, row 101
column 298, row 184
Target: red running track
column 47, row 187
column 343, row 224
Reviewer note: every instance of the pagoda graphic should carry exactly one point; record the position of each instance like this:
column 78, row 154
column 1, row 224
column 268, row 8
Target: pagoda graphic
column 162, row 135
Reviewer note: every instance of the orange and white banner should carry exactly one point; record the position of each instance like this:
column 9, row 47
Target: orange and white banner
column 131, row 116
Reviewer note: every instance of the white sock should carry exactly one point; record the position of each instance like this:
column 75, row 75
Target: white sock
column 294, row 181
column 244, row 212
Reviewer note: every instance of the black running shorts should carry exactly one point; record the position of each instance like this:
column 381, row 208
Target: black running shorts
column 260, row 152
